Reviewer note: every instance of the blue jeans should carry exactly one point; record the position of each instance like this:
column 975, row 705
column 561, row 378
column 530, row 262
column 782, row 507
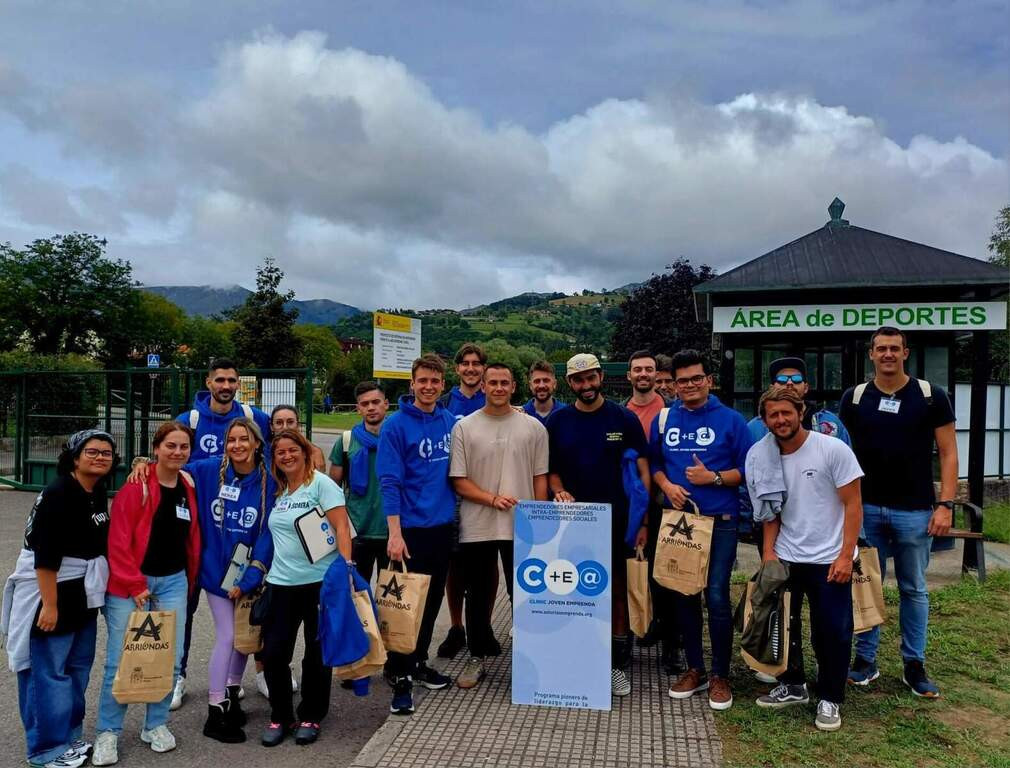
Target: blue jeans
column 168, row 593
column 51, row 691
column 720, row 613
column 901, row 534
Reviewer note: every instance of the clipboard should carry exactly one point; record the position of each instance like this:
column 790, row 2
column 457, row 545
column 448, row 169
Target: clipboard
column 316, row 534
column 236, row 567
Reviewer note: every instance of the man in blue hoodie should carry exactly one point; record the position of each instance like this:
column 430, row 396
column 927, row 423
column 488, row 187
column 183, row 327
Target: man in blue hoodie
column 462, row 400
column 214, row 409
column 699, row 452
column 412, row 464
column 209, row 417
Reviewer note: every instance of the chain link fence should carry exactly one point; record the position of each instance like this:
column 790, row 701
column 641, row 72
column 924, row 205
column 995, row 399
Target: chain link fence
column 40, row 409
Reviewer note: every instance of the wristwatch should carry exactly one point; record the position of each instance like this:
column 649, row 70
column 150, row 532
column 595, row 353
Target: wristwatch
column 947, row 503
column 718, row 479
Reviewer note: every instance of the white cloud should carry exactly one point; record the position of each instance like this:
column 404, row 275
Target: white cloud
column 368, row 190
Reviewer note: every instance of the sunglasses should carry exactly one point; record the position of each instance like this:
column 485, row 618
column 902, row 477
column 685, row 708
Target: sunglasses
column 795, row 378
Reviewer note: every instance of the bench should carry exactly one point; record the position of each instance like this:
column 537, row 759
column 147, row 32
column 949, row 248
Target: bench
column 973, row 558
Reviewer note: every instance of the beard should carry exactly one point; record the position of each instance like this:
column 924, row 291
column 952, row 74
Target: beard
column 789, row 435
column 589, row 395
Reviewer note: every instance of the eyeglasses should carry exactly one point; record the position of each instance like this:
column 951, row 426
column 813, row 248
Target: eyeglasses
column 94, row 453
column 795, row 378
column 693, row 381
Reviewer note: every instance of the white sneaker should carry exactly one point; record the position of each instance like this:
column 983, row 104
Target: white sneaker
column 178, row 693
column 241, row 693
column 294, row 682
column 69, row 759
column 261, row 684
column 160, row 739
column 620, row 685
column 106, row 750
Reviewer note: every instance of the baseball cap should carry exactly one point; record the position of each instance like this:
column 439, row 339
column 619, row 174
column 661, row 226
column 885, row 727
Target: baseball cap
column 787, row 362
column 582, row 362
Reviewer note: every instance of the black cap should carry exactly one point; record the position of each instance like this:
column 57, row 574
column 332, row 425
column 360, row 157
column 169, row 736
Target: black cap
column 787, row 362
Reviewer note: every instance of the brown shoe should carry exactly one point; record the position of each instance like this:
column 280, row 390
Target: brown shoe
column 688, row 684
column 719, row 694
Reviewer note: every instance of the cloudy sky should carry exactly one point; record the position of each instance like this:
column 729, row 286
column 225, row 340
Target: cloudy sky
column 445, row 154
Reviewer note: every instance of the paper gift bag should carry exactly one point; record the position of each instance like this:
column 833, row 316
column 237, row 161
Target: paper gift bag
column 867, row 591
column 376, row 658
column 682, row 551
column 248, row 637
column 778, row 626
column 400, row 596
column 146, row 672
column 639, row 597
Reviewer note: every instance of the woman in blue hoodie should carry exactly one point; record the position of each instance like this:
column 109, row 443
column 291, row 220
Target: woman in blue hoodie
column 235, row 493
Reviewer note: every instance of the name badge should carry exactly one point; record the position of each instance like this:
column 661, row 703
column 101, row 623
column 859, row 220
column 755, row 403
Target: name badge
column 889, row 405
column 182, row 512
column 229, row 492
column 282, row 505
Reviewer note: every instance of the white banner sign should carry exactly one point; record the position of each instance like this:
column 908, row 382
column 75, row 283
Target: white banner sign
column 930, row 316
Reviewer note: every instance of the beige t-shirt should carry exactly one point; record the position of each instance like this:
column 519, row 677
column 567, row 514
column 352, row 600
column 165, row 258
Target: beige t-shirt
column 501, row 454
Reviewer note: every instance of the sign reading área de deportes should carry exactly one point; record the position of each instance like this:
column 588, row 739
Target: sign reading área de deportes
column 561, row 606
column 396, row 343
column 929, row 316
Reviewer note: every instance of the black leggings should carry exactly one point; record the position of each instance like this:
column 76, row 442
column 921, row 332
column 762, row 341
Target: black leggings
column 289, row 607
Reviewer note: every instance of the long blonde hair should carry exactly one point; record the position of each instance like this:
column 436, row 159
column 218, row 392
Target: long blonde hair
column 254, row 431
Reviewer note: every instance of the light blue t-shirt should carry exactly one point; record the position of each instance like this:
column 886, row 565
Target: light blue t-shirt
column 291, row 566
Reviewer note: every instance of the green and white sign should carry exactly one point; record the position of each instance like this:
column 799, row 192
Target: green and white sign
column 930, row 316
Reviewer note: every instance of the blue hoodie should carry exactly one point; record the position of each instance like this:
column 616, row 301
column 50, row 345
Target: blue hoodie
column 210, row 426
column 531, row 409
column 412, row 465
column 342, row 637
column 225, row 523
column 459, row 405
column 717, row 435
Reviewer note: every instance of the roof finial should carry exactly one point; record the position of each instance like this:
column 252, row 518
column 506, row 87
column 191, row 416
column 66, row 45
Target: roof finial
column 835, row 210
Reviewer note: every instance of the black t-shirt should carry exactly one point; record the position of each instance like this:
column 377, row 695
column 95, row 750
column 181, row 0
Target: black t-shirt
column 586, row 449
column 68, row 521
column 166, row 549
column 895, row 450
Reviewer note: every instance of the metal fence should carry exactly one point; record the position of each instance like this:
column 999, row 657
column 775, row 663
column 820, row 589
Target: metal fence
column 40, row 409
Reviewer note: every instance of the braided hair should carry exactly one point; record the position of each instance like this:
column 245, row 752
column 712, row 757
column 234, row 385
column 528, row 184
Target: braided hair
column 252, row 428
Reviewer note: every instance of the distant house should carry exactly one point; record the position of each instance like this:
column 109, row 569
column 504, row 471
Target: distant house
column 350, row 344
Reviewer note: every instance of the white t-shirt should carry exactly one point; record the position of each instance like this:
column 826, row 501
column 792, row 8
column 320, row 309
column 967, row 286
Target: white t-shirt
column 813, row 516
column 501, row 454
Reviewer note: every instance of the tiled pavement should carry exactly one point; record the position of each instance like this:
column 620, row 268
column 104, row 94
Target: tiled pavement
column 454, row 728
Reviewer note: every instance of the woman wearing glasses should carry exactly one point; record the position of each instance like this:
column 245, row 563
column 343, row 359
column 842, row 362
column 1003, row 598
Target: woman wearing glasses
column 154, row 551
column 51, row 600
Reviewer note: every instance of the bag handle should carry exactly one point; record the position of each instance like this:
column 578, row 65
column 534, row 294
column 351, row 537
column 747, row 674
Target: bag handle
column 639, row 554
column 403, row 565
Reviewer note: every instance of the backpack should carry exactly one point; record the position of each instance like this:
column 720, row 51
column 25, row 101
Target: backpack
column 924, row 386
column 194, row 415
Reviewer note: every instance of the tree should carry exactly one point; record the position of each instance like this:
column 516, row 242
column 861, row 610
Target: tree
column 659, row 315
column 61, row 295
column 264, row 333
column 999, row 253
column 320, row 349
column 156, row 326
column 204, row 339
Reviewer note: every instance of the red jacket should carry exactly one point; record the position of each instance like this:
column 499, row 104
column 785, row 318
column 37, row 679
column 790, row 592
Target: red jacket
column 130, row 530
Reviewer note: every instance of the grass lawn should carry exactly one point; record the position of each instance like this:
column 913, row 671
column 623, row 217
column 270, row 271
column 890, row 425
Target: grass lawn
column 884, row 725
column 335, row 420
column 996, row 522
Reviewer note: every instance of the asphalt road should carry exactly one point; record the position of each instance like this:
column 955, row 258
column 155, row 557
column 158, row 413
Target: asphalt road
column 350, row 723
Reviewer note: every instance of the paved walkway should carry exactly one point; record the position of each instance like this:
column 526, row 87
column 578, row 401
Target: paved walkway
column 454, row 728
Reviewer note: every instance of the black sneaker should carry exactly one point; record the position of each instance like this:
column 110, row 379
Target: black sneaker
column 306, row 733
column 403, row 697
column 347, row 684
column 274, row 734
column 915, row 678
column 672, row 659
column 454, row 642
column 430, row 679
column 651, row 636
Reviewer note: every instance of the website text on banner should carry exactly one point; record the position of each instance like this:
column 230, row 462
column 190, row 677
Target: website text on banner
column 561, row 642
